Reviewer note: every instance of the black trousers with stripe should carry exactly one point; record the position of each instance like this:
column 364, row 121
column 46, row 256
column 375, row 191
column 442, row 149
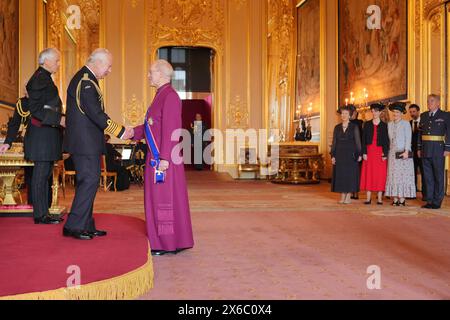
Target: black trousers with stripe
column 40, row 188
column 434, row 179
column 88, row 176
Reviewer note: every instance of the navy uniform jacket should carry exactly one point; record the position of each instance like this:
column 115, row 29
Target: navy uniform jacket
column 86, row 120
column 439, row 125
column 21, row 115
column 43, row 140
column 414, row 137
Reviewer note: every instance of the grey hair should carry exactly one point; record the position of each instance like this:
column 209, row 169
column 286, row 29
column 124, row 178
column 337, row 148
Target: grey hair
column 48, row 53
column 164, row 67
column 435, row 96
column 98, row 55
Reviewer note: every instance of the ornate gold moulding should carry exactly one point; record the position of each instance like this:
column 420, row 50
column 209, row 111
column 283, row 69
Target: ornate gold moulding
column 12, row 164
column 299, row 163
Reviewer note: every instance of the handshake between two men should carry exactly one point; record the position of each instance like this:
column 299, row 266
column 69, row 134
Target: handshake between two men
column 129, row 133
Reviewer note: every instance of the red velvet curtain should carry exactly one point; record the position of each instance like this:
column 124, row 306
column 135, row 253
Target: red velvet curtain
column 190, row 109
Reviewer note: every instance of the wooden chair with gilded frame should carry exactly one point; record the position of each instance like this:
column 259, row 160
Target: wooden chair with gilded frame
column 71, row 174
column 249, row 162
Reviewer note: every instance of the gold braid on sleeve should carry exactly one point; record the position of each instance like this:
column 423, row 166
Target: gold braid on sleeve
column 114, row 128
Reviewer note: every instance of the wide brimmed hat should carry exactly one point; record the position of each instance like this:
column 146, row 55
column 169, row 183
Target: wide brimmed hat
column 399, row 106
column 378, row 106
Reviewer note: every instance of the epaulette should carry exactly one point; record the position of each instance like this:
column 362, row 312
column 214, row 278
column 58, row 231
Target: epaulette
column 78, row 96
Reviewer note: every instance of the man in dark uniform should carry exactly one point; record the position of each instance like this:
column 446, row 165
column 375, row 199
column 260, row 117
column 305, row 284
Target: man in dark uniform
column 358, row 122
column 113, row 164
column 434, row 146
column 414, row 112
column 21, row 117
column 84, row 140
column 43, row 140
column 198, row 130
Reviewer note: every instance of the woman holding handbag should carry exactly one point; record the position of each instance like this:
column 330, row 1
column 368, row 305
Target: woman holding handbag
column 400, row 179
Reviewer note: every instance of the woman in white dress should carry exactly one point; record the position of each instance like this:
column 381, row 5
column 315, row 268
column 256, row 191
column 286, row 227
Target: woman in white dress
column 400, row 182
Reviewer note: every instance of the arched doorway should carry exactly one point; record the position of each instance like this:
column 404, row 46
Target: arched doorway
column 194, row 82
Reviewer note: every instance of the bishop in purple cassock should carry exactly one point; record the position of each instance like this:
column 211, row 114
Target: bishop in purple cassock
column 167, row 210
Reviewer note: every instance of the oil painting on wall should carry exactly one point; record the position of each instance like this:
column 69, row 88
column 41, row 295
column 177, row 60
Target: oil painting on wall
column 373, row 56
column 308, row 64
column 9, row 51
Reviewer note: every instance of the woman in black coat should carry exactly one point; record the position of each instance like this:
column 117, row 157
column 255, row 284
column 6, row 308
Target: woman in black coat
column 345, row 157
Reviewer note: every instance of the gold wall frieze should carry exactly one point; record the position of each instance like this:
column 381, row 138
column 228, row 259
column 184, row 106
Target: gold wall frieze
column 134, row 3
column 239, row 4
column 435, row 20
column 418, row 22
column 238, row 114
column 133, row 111
column 430, row 5
column 190, row 23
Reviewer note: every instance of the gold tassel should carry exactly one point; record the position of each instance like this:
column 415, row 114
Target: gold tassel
column 20, row 110
column 126, row 287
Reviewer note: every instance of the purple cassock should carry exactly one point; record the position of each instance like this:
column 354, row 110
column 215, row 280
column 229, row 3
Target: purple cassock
column 166, row 204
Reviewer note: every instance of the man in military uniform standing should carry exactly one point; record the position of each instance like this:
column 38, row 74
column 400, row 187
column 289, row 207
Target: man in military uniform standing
column 434, row 146
column 43, row 140
column 21, row 117
column 84, row 140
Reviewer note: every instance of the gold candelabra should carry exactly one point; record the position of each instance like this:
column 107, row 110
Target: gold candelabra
column 363, row 106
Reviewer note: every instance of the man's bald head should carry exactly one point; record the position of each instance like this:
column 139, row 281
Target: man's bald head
column 100, row 62
column 164, row 67
column 160, row 73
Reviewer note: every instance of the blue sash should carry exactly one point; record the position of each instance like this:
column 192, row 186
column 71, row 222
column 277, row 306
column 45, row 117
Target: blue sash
column 160, row 176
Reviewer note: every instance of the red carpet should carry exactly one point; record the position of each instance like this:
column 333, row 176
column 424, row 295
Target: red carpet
column 35, row 258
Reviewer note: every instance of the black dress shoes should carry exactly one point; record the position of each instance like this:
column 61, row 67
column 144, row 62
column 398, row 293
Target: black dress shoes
column 159, row 252
column 428, row 206
column 47, row 220
column 162, row 252
column 98, row 233
column 77, row 234
column 435, row 207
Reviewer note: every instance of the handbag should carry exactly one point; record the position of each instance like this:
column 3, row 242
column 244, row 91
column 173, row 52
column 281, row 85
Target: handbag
column 398, row 155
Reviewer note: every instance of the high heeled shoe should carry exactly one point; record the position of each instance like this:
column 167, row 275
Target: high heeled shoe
column 368, row 202
column 395, row 203
column 403, row 204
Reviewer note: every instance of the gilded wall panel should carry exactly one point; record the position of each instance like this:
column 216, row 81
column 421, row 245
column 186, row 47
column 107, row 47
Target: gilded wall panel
column 189, row 23
column 280, row 39
column 9, row 51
